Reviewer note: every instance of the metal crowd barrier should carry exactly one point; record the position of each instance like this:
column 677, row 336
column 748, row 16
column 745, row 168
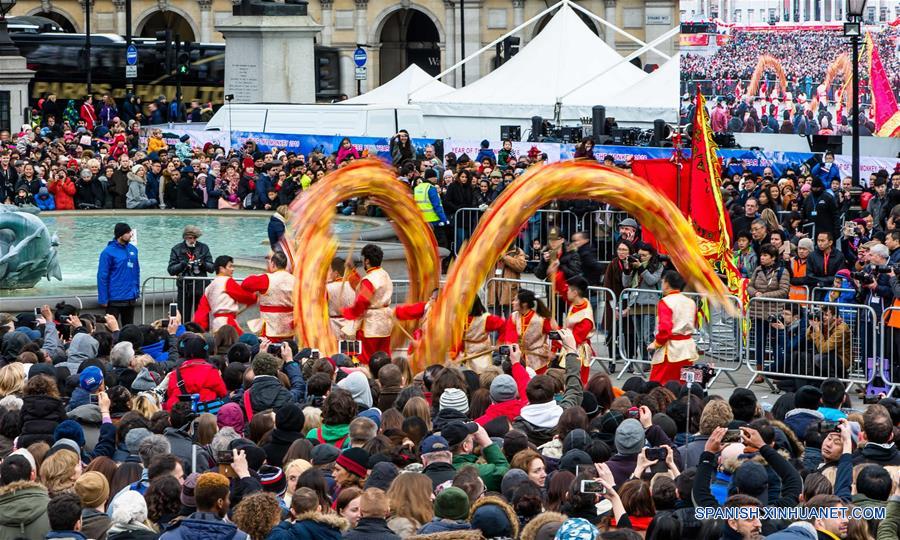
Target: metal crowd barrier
column 606, row 331
column 719, row 339
column 159, row 291
column 465, row 220
column 802, row 353
column 884, row 370
column 602, row 227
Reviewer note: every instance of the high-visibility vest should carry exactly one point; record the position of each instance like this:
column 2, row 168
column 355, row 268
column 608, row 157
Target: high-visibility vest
column 893, row 319
column 798, row 270
column 420, row 194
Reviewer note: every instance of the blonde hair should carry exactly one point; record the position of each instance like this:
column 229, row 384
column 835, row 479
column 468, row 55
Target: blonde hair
column 58, row 471
column 12, row 379
column 312, row 419
column 771, row 220
column 410, row 497
column 145, row 405
column 417, row 406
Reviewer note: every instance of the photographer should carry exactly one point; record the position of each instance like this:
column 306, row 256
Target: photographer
column 831, row 340
column 192, row 259
column 790, row 339
column 642, row 271
column 875, row 291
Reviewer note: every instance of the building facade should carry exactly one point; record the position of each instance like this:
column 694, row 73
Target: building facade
column 395, row 34
column 764, row 11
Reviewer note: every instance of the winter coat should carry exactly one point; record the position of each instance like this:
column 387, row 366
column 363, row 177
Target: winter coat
column 800, row 419
column 180, row 255
column 404, row 527
column 188, row 197
column 771, row 282
column 83, row 347
column 344, row 153
column 319, row 526
column 691, row 451
column 268, row 393
column 132, row 534
column 439, row 472
column 204, row 525
column 439, row 525
column 23, row 511
column 183, row 448
column 511, row 265
column 529, row 532
column 90, row 192
column 118, row 273
column 889, row 458
column 118, row 187
column 279, row 444
column 63, row 193
column 824, row 277
column 94, row 524
column 800, row 530
column 137, row 191
column 371, row 529
column 44, row 200
column 39, row 417
column 199, row 377
column 459, row 196
column 490, row 472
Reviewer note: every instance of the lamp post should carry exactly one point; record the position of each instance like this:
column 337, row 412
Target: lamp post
column 7, row 47
column 853, row 30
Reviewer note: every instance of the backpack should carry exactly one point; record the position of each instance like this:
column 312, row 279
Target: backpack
column 198, row 406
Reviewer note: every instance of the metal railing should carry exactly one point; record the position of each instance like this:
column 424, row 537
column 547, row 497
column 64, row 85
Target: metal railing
column 158, row 292
column 465, row 220
column 602, row 227
column 884, row 370
column 799, row 341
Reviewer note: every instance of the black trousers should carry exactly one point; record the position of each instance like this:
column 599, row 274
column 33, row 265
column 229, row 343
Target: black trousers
column 123, row 310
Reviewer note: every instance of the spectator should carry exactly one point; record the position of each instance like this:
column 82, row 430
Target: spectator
column 825, row 261
column 213, row 503
column 374, row 508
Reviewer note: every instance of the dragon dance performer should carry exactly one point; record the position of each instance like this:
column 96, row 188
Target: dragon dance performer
column 372, row 307
column 674, row 347
column 222, row 299
column 579, row 317
column 476, row 349
column 341, row 292
column 276, row 303
column 529, row 325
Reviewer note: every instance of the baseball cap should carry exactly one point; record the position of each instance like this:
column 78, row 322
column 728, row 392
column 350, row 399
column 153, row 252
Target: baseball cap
column 457, row 432
column 433, row 443
column 90, row 379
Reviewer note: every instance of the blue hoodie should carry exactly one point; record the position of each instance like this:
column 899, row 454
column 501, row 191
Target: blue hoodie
column 156, row 350
column 44, row 200
column 118, row 273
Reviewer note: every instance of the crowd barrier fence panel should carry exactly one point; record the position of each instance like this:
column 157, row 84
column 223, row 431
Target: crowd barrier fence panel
column 887, row 366
column 465, row 221
column 809, row 348
column 602, row 227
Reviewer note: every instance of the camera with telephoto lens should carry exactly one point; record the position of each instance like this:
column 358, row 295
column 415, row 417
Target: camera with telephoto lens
column 194, row 267
column 775, row 319
column 885, row 269
column 864, row 278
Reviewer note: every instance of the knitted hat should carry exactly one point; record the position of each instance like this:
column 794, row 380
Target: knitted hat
column 324, row 453
column 90, row 379
column 230, row 415
column 452, row 503
column 69, row 429
column 577, row 438
column 511, row 480
column 503, row 388
column 629, row 437
column 289, row 417
column 92, row 488
column 354, row 460
column 454, row 398
column 382, row 475
column 590, row 405
column 577, row 529
column 120, row 229
column 131, row 507
column 272, row 479
column 134, row 438
column 187, row 490
column 572, row 459
column 373, row 414
column 493, row 521
column 145, row 380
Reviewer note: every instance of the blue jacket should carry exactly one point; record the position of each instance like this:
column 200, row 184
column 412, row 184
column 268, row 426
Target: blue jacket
column 204, row 525
column 438, row 525
column 152, row 187
column 118, row 273
column 45, row 201
column 834, row 173
column 157, row 351
column 832, row 415
column 800, row 419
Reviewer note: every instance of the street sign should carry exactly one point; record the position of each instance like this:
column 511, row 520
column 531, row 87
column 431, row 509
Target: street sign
column 361, row 73
column 131, row 72
column 360, row 57
column 131, row 55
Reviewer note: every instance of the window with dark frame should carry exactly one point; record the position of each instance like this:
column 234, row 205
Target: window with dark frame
column 5, row 107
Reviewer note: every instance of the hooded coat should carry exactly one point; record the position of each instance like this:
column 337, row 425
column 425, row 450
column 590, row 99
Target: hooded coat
column 23, row 511
column 204, row 525
column 39, row 417
column 137, row 191
column 83, row 347
column 319, row 525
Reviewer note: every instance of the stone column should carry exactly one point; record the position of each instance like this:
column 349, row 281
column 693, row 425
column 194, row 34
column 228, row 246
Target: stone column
column 119, row 6
column 450, row 42
column 519, row 18
column 610, row 16
column 14, row 78
column 327, row 21
column 206, row 20
column 81, row 4
column 361, row 39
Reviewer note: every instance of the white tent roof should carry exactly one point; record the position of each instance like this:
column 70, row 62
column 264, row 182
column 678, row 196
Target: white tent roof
column 562, row 56
column 397, row 90
column 655, row 96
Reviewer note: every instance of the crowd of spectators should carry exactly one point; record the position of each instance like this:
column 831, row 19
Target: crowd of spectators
column 99, row 441
column 805, row 57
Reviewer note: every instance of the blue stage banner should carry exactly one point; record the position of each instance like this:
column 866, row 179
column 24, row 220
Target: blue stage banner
column 327, row 144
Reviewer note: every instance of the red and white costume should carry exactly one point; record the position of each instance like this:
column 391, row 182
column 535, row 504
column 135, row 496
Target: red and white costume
column 530, row 332
column 580, row 320
column 675, row 316
column 341, row 294
column 476, row 348
column 276, row 304
column 372, row 310
column 221, row 303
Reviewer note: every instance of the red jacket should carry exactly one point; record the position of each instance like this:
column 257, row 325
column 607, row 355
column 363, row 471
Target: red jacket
column 64, row 193
column 513, row 407
column 199, row 377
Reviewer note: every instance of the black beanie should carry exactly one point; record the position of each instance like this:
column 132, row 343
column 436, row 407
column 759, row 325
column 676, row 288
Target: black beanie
column 194, row 346
column 121, row 228
column 429, row 173
column 289, row 418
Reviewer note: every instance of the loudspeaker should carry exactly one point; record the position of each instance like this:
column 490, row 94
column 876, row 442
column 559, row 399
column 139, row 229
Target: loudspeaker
column 660, row 130
column 512, row 132
column 537, row 128
column 824, row 143
column 598, row 121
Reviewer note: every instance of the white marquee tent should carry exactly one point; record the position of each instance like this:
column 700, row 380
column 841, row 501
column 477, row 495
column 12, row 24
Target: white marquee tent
column 656, row 96
column 413, row 83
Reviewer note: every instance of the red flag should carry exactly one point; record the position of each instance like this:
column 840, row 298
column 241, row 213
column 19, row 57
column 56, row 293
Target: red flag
column 884, row 105
column 663, row 174
column 705, row 207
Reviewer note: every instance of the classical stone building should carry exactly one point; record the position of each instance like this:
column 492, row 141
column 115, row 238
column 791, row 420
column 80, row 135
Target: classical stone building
column 762, row 11
column 395, row 34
